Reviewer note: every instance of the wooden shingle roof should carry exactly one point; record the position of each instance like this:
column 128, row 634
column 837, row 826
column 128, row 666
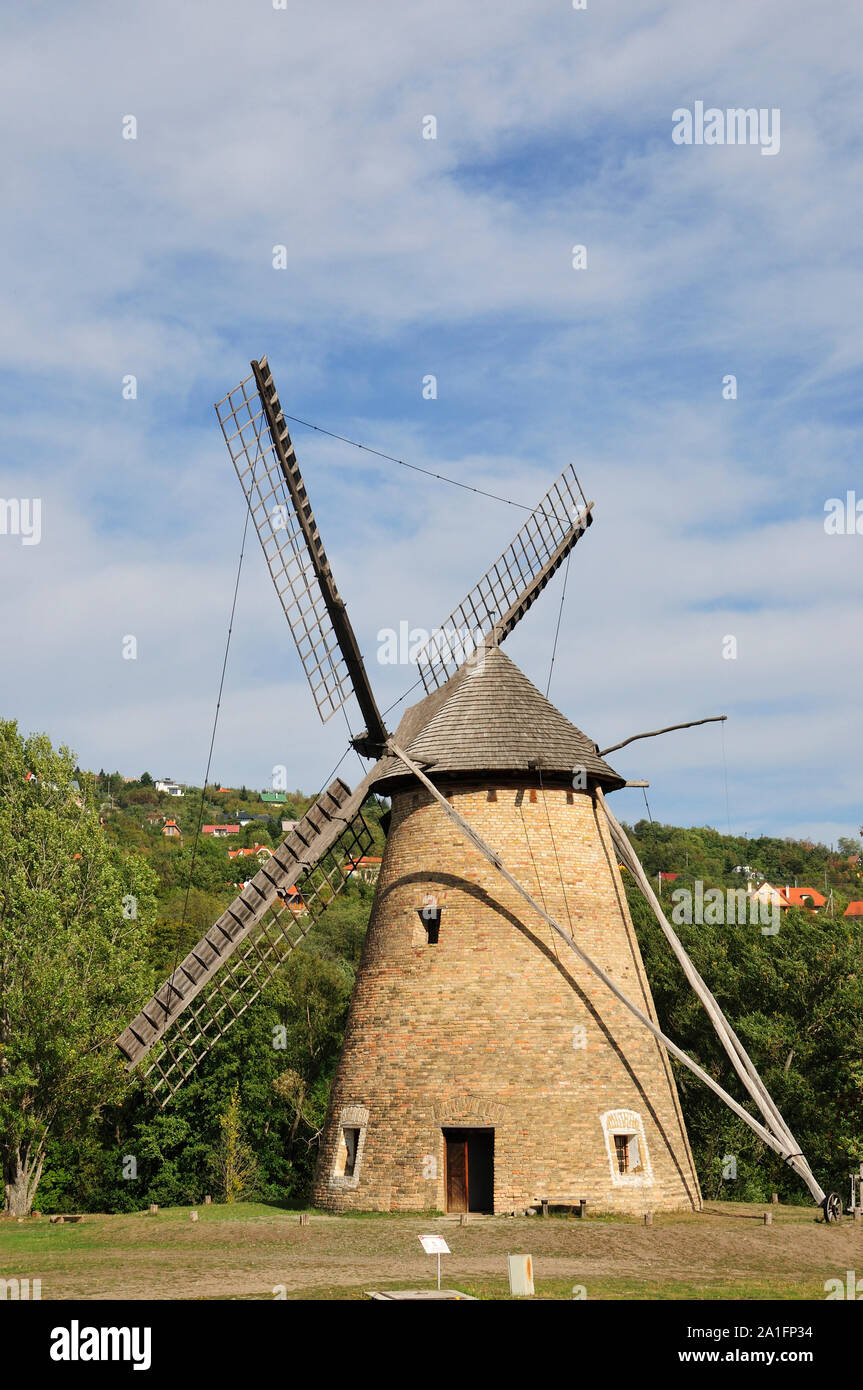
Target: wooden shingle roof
column 493, row 719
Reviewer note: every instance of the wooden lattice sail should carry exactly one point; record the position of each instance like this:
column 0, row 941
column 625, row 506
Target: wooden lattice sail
column 227, row 969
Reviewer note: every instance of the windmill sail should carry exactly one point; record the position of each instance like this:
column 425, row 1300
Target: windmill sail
column 506, row 591
column 259, row 443
column 229, row 967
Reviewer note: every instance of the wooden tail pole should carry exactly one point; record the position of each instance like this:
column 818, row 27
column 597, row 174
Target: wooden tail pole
column 740, row 1059
column 779, row 1145
column 654, row 733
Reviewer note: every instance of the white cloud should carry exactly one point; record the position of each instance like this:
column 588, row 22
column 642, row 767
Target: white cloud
column 258, row 127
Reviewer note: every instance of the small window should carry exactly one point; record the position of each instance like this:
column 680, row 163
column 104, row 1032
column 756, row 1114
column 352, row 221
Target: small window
column 626, row 1151
column 430, row 918
column 352, row 1140
column 350, row 1146
column 346, row 1157
column 627, row 1148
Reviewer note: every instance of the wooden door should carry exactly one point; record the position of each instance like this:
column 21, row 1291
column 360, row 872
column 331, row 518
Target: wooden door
column 456, row 1174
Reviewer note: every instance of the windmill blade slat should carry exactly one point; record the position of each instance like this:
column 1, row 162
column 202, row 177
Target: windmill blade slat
column 506, row 591
column 260, row 446
column 299, row 863
column 233, row 989
column 285, row 541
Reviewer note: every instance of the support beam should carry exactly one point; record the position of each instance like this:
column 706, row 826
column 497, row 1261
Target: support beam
column 740, row 1059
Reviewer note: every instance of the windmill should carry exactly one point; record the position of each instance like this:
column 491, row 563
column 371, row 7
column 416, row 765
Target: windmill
column 502, row 1047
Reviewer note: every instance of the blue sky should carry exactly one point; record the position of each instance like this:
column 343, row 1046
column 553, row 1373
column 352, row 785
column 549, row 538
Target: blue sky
column 303, row 127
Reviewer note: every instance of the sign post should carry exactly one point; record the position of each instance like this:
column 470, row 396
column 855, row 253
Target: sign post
column 435, row 1245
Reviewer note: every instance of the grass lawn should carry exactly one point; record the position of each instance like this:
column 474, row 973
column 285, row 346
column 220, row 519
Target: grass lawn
column 261, row 1252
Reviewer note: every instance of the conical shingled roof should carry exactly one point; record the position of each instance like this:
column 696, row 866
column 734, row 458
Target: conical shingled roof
column 495, row 720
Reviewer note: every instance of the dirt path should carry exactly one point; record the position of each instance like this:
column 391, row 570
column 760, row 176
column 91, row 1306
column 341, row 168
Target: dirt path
column 250, row 1252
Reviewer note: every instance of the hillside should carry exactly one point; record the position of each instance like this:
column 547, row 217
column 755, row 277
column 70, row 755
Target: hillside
column 795, row 997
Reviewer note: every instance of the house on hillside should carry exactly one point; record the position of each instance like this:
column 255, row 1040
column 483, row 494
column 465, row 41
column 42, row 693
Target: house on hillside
column 769, row 895
column 808, row 898
column 854, row 909
column 293, row 899
column 171, row 828
column 273, row 798
column 261, row 852
column 220, row 831
column 367, row 867
column 169, row 787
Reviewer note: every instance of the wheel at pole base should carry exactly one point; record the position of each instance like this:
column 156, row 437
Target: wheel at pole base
column 832, row 1206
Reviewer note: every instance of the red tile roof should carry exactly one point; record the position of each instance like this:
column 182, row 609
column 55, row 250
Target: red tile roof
column 854, row 909
column 797, row 897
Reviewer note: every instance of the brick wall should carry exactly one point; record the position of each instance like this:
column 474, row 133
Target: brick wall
column 499, row 1024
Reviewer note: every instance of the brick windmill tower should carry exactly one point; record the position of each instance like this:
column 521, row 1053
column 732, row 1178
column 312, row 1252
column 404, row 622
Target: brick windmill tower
column 484, row 1066
column 502, row 1046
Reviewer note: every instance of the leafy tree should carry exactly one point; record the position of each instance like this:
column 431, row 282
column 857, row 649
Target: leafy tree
column 234, row 1164
column 796, row 1000
column 73, row 921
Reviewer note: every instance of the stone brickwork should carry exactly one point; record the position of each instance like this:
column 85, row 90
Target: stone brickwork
column 499, row 1025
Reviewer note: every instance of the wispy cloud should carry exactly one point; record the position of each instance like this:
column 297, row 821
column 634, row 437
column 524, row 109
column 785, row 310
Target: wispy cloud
column 406, row 256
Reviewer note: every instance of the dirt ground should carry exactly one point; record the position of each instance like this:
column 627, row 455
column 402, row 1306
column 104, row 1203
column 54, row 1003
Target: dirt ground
column 259, row 1252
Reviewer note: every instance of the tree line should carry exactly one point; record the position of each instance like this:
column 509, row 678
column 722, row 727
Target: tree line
column 93, row 917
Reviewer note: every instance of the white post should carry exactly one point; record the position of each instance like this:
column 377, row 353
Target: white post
column 438, row 1271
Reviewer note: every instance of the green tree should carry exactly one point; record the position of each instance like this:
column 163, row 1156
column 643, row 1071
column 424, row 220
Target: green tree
column 234, row 1163
column 796, row 1001
column 73, row 922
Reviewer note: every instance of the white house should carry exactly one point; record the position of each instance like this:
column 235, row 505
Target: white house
column 769, row 895
column 169, row 786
